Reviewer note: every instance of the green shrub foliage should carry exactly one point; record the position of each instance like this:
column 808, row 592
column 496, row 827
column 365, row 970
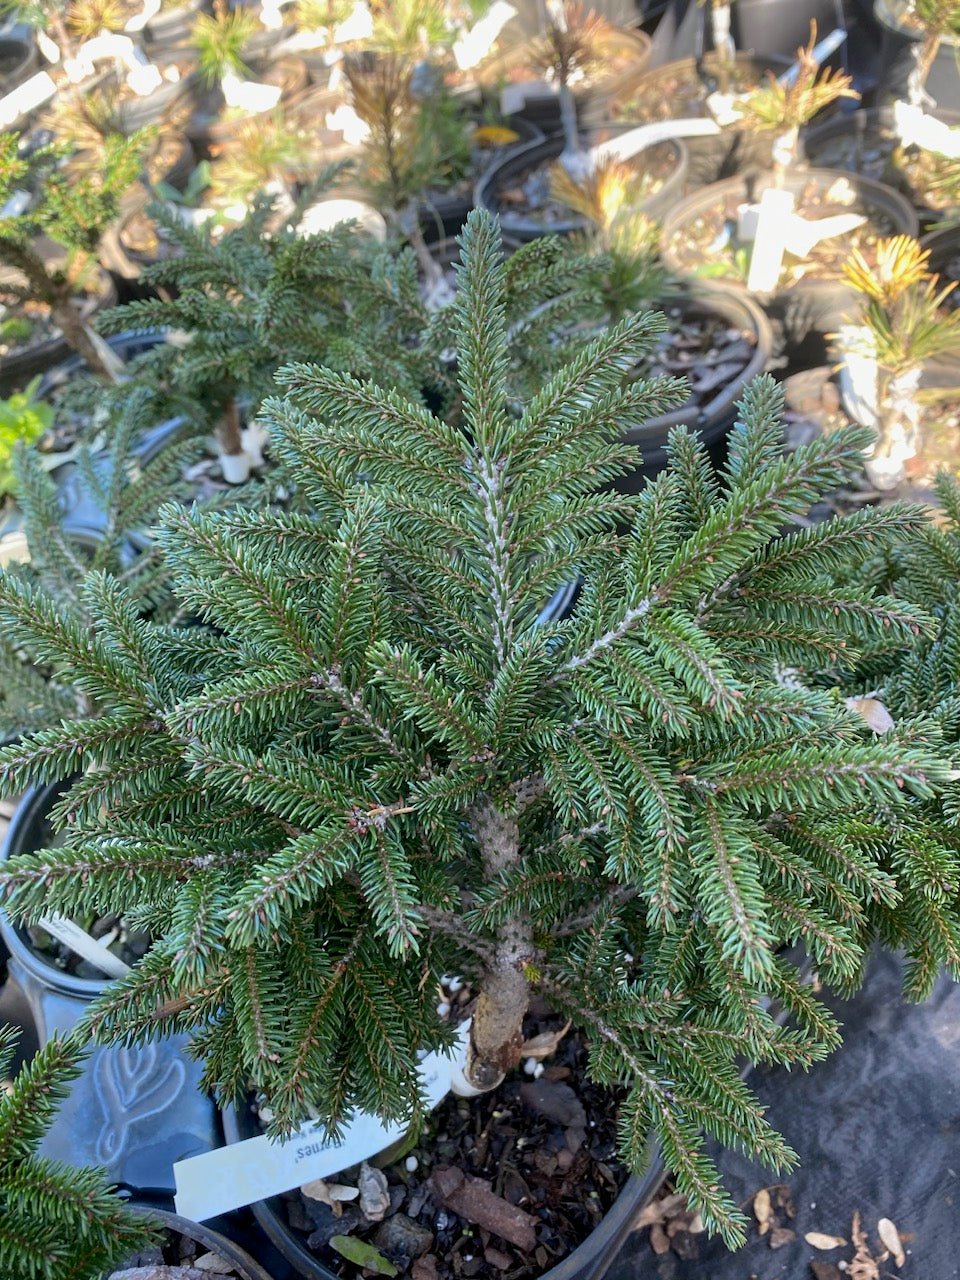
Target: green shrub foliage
column 382, row 762
column 56, row 1222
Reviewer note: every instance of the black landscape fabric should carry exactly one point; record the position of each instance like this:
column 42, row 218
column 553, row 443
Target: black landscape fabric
column 877, row 1128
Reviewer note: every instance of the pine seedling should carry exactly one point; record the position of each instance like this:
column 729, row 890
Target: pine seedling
column 938, row 19
column 723, row 43
column 785, row 109
column 381, row 763
column 221, row 39
column 404, row 154
column 59, row 1222
column 905, row 323
column 411, row 29
column 322, row 15
column 621, row 242
column 72, row 210
column 575, row 42
column 268, row 154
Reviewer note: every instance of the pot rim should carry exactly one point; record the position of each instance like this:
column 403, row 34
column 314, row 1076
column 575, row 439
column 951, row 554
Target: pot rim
column 588, row 1261
column 690, row 206
column 213, row 1241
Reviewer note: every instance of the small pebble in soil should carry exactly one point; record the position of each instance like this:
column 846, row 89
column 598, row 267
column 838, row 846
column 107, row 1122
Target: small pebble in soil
column 443, row 1009
column 411, row 1164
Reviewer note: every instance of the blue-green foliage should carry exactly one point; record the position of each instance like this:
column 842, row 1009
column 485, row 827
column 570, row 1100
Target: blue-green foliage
column 378, row 765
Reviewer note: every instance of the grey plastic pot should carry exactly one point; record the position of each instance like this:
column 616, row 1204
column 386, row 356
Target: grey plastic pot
column 173, row 25
column 780, row 27
column 818, row 306
column 19, row 59
column 589, row 1261
column 896, row 60
column 211, row 1241
column 133, row 1110
column 505, row 173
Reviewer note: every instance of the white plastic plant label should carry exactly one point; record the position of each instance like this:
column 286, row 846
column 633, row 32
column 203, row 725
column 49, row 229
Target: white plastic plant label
column 327, row 214
column 78, row 940
column 474, row 45
column 916, row 129
column 139, row 20
column 49, row 48
column 513, row 97
column 636, row 140
column 99, row 49
column 249, row 95
column 244, row 1172
column 26, row 97
column 769, row 243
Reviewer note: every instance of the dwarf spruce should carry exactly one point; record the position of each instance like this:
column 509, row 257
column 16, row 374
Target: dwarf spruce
column 381, row 761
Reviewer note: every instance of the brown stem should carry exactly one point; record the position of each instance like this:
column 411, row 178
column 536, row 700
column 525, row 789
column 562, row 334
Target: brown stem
column 432, row 271
column 228, row 433
column 496, row 1033
column 928, row 52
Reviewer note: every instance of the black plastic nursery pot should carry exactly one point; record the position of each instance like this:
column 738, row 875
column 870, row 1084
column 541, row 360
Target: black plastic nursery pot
column 19, row 60
column 897, row 59
column 780, row 27
column 944, row 246
column 807, row 306
column 589, row 1261
column 173, row 24
column 679, row 89
column 717, row 416
column 209, row 1240
column 133, row 1111
column 517, row 165
column 863, row 142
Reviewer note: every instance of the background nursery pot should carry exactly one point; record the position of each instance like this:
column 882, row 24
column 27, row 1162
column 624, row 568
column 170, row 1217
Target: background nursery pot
column 678, row 90
column 863, row 142
column 630, row 51
column 134, row 1111
column 896, row 59
column 808, row 305
column 589, row 1261
column 209, row 1241
column 944, row 246
column 716, row 417
column 670, row 157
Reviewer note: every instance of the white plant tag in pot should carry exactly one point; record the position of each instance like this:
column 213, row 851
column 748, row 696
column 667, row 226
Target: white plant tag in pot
column 257, row 1168
column 474, row 45
column 769, row 239
column 139, row 20
column 78, row 940
column 631, row 143
column 916, row 129
column 25, row 98
column 249, row 95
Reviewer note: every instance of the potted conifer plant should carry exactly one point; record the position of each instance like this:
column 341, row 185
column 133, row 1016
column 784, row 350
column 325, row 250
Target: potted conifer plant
column 380, row 768
column 903, row 322
column 51, row 229
column 919, row 51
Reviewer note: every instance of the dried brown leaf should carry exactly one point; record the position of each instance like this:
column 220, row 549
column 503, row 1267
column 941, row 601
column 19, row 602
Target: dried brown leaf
column 873, row 712
column 780, row 1236
column 890, row 1237
column 820, row 1240
column 545, row 1044
column 763, row 1210
column 659, row 1241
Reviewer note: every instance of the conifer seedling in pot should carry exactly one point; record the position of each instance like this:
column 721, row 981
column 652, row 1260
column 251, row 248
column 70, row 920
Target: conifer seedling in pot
column 382, row 764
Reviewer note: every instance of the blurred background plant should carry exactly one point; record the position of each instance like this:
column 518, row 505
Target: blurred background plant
column 23, row 419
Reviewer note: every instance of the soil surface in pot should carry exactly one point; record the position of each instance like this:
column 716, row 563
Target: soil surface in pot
column 110, row 931
column 537, row 1155
column 707, row 246
column 677, row 92
column 703, row 349
column 176, row 1257
column 528, row 195
column 875, row 151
